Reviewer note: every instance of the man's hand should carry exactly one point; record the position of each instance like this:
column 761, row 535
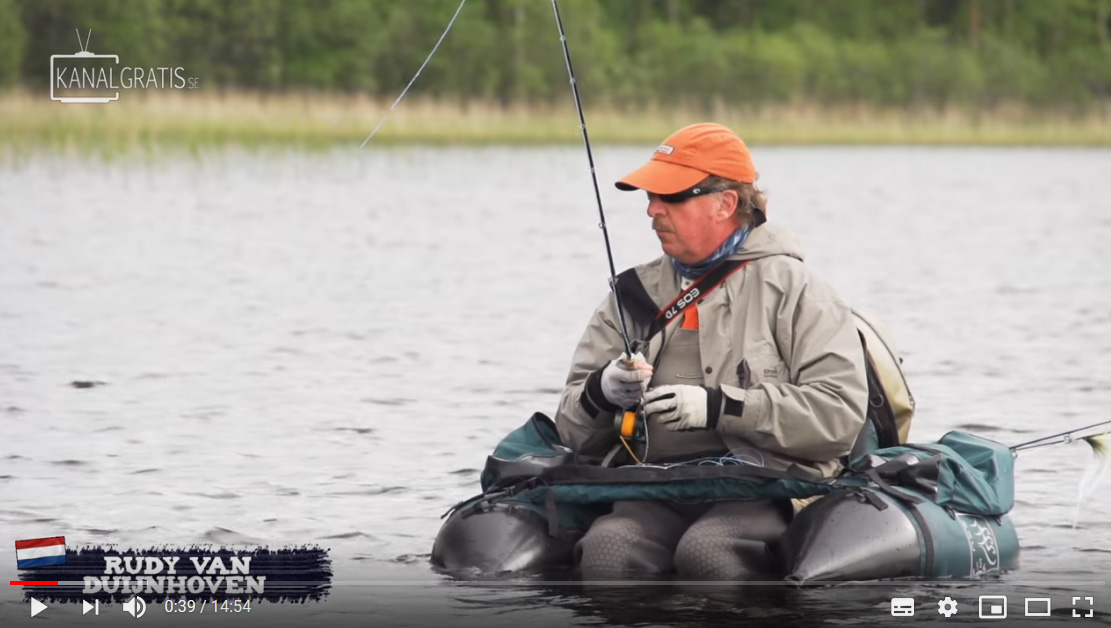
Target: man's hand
column 684, row 407
column 624, row 380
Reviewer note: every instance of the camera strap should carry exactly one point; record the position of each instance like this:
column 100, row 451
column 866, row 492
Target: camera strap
column 640, row 306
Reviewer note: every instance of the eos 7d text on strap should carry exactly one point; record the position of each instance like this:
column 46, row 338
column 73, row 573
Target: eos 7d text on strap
column 640, row 306
column 694, row 293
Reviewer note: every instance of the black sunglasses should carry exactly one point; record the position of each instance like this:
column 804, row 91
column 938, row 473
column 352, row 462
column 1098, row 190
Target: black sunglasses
column 686, row 195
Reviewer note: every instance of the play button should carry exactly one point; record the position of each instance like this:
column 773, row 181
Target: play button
column 37, row 607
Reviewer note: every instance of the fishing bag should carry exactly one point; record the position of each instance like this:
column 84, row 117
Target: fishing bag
column 961, row 472
column 890, row 404
column 590, row 484
column 524, row 452
column 533, row 456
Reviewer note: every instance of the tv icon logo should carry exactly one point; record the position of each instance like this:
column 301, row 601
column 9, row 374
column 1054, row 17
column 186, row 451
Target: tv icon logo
column 902, row 607
column 83, row 73
column 993, row 607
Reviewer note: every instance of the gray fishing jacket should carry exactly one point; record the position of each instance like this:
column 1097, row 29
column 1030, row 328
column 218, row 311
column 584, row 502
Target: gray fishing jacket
column 773, row 337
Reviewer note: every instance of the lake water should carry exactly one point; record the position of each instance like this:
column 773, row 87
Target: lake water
column 322, row 349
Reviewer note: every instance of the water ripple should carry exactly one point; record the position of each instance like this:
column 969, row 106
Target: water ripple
column 374, row 490
column 358, row 430
column 223, row 495
column 387, row 402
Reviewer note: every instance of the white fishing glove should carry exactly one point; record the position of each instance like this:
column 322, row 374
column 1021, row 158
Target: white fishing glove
column 624, row 381
column 684, row 407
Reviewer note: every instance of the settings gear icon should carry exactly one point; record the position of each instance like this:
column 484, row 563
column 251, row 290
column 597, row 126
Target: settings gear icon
column 947, row 607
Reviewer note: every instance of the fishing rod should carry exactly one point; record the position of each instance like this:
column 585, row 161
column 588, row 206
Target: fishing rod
column 1063, row 437
column 586, row 141
column 594, row 179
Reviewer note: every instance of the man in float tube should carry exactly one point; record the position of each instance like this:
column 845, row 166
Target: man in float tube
column 761, row 360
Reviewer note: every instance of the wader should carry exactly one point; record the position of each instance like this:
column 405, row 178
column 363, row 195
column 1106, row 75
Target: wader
column 722, row 540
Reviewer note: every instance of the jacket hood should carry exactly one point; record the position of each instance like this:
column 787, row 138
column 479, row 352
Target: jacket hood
column 769, row 239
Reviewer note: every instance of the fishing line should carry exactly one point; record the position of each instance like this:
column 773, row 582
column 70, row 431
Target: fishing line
column 414, row 79
column 629, row 449
column 647, row 438
column 594, row 179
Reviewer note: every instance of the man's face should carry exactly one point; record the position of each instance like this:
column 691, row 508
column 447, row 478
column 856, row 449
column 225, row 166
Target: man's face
column 690, row 230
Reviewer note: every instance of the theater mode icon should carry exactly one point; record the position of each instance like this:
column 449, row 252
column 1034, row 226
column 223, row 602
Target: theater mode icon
column 1038, row 607
column 902, row 607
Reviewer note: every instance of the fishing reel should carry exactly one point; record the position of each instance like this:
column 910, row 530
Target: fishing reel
column 632, row 425
column 632, row 428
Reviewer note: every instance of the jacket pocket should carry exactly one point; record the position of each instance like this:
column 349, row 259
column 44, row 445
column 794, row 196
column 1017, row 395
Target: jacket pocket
column 744, row 375
column 765, row 366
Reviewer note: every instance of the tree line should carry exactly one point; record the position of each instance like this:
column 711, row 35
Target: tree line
column 900, row 53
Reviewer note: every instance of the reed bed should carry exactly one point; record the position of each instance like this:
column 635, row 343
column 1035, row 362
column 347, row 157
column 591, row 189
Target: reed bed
column 189, row 120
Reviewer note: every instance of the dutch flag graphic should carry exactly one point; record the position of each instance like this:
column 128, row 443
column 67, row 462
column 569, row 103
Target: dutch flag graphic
column 40, row 552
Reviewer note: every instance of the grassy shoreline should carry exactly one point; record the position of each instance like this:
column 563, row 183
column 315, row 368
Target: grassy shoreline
column 31, row 122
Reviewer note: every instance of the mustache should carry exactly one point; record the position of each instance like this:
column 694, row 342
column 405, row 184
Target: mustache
column 658, row 226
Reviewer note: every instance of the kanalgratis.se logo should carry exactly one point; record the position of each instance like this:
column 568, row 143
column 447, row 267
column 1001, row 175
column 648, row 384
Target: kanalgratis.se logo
column 86, row 78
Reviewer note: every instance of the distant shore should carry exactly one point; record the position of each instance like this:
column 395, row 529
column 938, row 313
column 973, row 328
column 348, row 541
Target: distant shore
column 32, row 122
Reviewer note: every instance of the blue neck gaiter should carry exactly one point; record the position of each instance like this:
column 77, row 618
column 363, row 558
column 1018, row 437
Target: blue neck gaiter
column 731, row 245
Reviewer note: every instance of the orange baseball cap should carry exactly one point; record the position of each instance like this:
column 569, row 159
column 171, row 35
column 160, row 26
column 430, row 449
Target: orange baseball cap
column 688, row 156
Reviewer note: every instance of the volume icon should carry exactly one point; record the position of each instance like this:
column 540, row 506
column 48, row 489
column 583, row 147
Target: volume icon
column 136, row 607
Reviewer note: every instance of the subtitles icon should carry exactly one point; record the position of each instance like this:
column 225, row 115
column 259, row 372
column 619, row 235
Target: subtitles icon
column 902, row 607
column 993, row 607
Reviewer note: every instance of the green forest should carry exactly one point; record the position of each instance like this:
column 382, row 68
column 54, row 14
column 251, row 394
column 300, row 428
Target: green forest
column 913, row 54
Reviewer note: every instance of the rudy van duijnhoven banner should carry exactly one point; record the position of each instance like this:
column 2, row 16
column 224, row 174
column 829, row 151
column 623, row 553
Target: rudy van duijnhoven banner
column 52, row 571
